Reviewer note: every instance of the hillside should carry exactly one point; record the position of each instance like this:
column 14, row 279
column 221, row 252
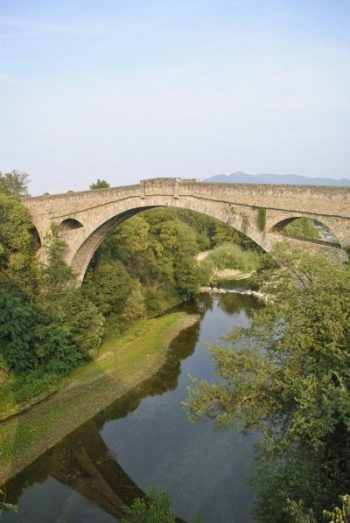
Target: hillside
column 290, row 179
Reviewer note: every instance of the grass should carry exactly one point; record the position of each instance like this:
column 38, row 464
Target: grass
column 123, row 362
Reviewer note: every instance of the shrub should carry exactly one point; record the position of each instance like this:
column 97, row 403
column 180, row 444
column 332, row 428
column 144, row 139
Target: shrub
column 29, row 338
column 261, row 218
column 228, row 256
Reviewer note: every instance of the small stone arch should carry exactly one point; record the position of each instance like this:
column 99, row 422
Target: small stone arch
column 70, row 223
column 36, row 236
column 331, row 237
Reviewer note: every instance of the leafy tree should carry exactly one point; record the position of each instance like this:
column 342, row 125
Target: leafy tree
column 14, row 182
column 289, row 377
column 187, row 277
column 176, row 237
column 99, row 184
column 29, row 338
column 82, row 319
column 108, row 286
column 221, row 233
column 17, row 246
column 57, row 275
column 132, row 237
column 155, row 508
column 134, row 307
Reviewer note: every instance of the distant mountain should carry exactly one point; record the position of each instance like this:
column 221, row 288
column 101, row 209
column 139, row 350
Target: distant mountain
column 289, row 179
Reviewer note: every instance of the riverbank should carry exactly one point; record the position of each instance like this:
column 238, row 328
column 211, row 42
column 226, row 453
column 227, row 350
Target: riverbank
column 123, row 363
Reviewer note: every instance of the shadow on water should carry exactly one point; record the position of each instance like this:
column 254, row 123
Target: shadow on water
column 99, row 469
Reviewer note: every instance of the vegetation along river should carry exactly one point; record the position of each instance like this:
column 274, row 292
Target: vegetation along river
column 146, row 440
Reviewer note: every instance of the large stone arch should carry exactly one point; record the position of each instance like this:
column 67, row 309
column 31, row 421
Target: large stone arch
column 96, row 233
column 235, row 204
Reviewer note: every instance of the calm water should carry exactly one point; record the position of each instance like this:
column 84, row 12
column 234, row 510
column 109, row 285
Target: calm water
column 146, row 439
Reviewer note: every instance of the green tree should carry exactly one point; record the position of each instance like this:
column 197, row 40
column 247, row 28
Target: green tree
column 155, row 508
column 187, row 276
column 289, row 377
column 108, row 286
column 14, row 182
column 56, row 275
column 85, row 324
column 134, row 307
column 132, row 237
column 17, row 246
column 29, row 338
column 99, row 184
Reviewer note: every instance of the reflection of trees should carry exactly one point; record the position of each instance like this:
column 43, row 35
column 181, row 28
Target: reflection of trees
column 205, row 302
column 82, row 460
column 165, row 380
column 240, row 303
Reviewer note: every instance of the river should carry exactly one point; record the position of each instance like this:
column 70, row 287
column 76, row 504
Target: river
column 144, row 440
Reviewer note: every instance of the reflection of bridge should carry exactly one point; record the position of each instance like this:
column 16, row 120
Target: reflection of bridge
column 85, row 464
column 87, row 217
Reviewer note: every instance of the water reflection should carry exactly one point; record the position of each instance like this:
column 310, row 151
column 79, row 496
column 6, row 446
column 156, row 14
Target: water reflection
column 145, row 439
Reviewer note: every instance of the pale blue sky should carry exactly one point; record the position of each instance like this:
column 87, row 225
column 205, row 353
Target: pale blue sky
column 130, row 89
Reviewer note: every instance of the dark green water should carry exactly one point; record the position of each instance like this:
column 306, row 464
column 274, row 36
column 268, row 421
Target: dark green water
column 146, row 439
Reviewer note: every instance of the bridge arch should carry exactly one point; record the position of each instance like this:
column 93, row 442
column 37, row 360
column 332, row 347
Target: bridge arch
column 70, row 223
column 95, row 236
column 320, row 222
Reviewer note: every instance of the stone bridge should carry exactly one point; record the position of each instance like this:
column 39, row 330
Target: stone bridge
column 87, row 217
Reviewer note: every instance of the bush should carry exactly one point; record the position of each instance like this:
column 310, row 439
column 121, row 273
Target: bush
column 155, row 508
column 29, row 338
column 108, row 286
column 82, row 319
column 228, row 256
column 152, row 300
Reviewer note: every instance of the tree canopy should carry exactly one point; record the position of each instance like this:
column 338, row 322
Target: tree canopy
column 14, row 182
column 99, row 184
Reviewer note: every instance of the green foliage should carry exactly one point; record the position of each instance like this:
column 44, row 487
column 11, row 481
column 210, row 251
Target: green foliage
column 17, row 246
column 155, row 508
column 340, row 514
column 134, row 308
column 57, row 275
column 29, row 338
column 153, row 300
column 187, row 276
column 108, row 286
column 82, row 319
column 99, row 184
column 304, row 227
column 228, row 256
column 289, row 377
column 156, row 252
column 222, row 233
column 261, row 218
column 14, row 182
